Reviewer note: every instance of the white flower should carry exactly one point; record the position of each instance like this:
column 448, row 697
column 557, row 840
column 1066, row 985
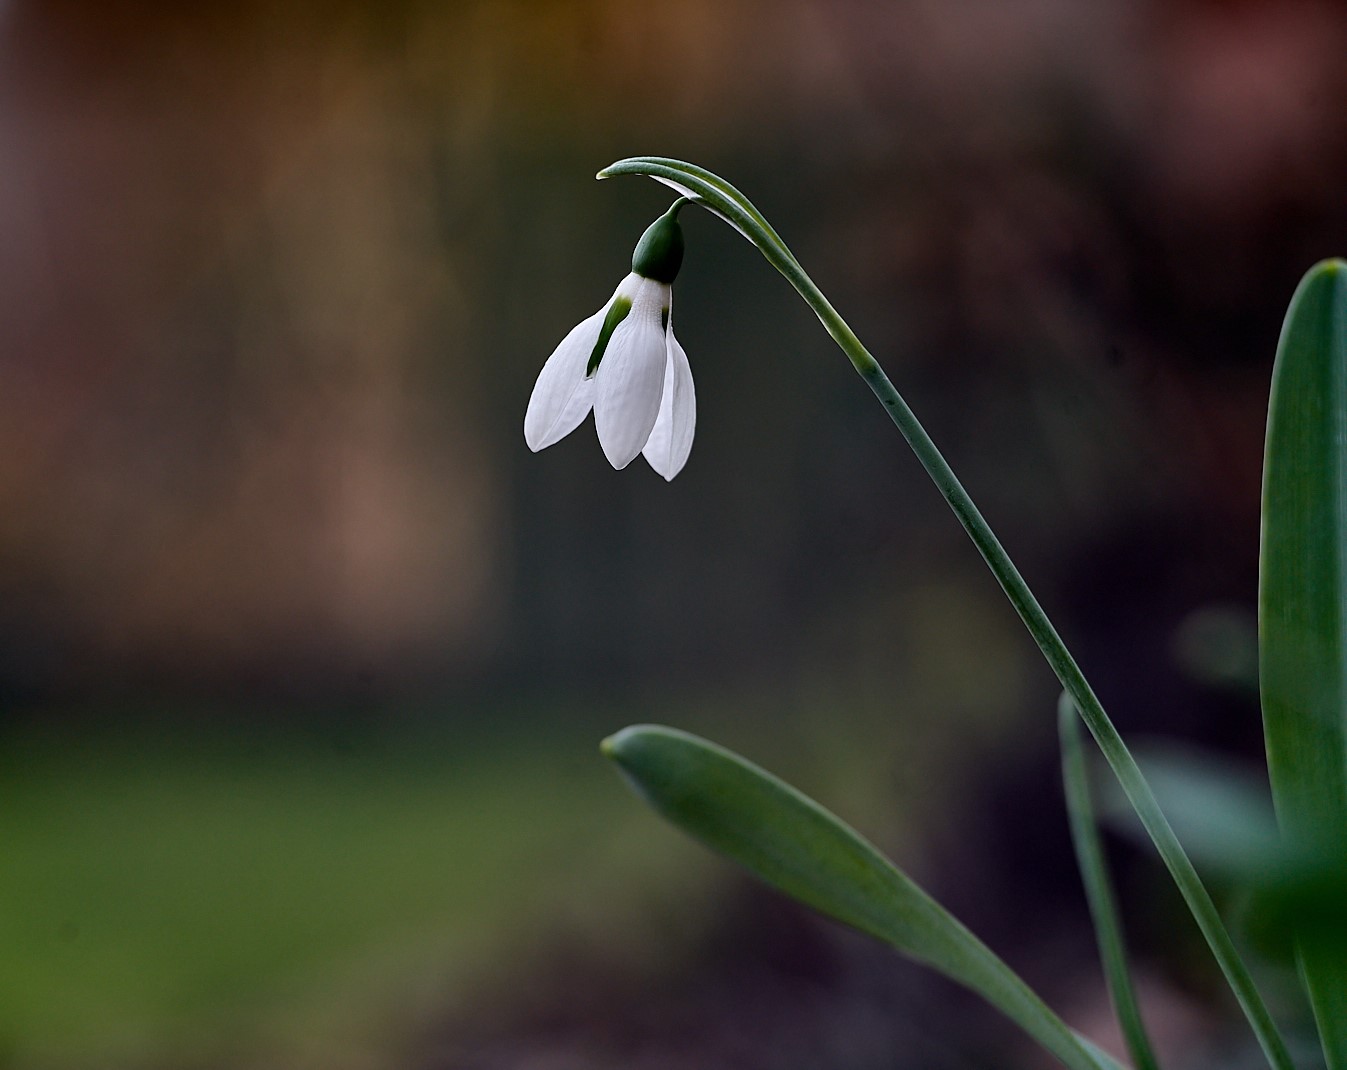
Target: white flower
column 625, row 363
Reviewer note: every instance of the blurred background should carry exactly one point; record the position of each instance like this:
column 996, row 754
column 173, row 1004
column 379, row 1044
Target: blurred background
column 304, row 657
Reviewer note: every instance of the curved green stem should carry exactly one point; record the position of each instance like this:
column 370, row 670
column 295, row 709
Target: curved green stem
column 1068, row 672
column 1094, row 874
column 715, row 193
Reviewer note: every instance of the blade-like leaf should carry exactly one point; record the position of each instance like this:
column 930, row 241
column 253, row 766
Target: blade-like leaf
column 1302, row 605
column 1099, row 886
column 791, row 842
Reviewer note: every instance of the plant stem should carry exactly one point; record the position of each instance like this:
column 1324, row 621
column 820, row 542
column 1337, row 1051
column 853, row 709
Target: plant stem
column 1058, row 656
column 724, row 200
column 1094, row 874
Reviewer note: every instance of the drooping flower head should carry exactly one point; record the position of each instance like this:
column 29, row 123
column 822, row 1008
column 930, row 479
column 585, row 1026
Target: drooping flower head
column 625, row 364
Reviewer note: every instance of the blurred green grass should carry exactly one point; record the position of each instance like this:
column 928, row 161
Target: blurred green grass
column 170, row 898
column 259, row 896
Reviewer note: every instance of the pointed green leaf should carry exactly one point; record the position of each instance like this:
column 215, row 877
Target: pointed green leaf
column 1302, row 605
column 791, row 842
column 1099, row 886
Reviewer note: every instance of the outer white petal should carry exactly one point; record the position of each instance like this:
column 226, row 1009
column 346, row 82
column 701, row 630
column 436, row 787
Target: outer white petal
column 671, row 438
column 631, row 378
column 562, row 396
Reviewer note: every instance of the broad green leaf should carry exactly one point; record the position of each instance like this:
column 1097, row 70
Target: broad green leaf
column 1099, row 886
column 791, row 842
column 1302, row 606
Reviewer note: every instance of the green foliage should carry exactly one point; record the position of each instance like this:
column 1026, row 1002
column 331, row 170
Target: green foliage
column 1303, row 664
column 200, row 899
column 718, row 195
column 1303, row 612
column 792, row 843
column 1099, row 886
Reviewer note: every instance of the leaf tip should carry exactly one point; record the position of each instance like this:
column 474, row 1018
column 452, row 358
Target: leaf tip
column 614, row 168
column 620, row 747
column 1328, row 268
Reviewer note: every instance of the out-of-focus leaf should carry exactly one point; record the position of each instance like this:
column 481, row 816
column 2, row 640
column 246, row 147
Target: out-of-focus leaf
column 791, row 842
column 1217, row 645
column 1303, row 610
column 1223, row 814
column 1220, row 811
column 1099, row 886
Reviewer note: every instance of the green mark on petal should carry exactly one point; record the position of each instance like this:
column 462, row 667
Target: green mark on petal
column 617, row 312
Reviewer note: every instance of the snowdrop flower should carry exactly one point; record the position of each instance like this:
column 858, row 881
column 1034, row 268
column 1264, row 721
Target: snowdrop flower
column 625, row 364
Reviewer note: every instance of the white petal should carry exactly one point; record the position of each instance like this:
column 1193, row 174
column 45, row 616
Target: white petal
column 562, row 396
column 671, row 438
column 631, row 378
